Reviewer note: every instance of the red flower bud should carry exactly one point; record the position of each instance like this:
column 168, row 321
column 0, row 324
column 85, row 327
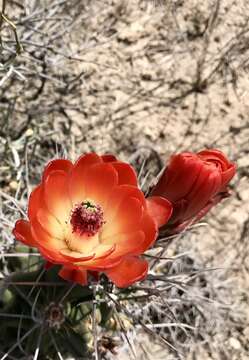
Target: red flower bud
column 194, row 183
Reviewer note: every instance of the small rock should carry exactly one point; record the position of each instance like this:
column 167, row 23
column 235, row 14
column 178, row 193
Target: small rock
column 234, row 343
column 13, row 185
column 243, row 162
column 29, row 132
column 246, row 333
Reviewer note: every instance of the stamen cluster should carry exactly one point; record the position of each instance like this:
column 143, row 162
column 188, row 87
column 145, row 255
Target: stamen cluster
column 87, row 218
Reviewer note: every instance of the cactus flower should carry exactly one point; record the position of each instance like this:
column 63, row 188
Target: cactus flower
column 91, row 216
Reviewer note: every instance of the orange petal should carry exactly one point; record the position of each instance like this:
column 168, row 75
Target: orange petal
column 22, row 232
column 81, row 243
column 52, row 256
column 159, row 209
column 150, row 229
column 78, row 174
column 75, row 275
column 103, row 251
column 50, row 224
column 126, row 173
column 101, row 264
column 100, row 181
column 56, row 195
column 57, row 164
column 35, row 201
column 43, row 238
column 130, row 270
column 75, row 256
column 128, row 214
column 119, row 195
column 127, row 244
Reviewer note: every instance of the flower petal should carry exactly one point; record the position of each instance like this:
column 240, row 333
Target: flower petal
column 118, row 196
column 103, row 251
column 83, row 244
column 43, row 238
column 209, row 182
column 35, row 201
column 78, row 174
column 130, row 270
column 100, row 181
column 128, row 214
column 227, row 168
column 75, row 256
column 227, row 176
column 127, row 244
column 126, row 173
column 179, row 177
column 76, row 275
column 108, row 158
column 50, row 224
column 57, row 164
column 179, row 211
column 55, row 193
column 215, row 156
column 150, row 229
column 159, row 209
column 101, row 264
column 53, row 256
column 22, row 232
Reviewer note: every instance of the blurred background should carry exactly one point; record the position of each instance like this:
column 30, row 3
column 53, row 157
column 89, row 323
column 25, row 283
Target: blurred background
column 130, row 77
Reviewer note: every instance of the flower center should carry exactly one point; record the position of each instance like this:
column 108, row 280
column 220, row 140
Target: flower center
column 87, row 218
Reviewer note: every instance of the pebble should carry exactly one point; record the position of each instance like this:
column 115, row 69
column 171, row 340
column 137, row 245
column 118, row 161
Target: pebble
column 29, row 132
column 234, row 343
column 13, row 185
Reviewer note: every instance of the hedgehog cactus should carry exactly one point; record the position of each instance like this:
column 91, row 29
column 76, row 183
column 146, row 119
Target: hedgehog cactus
column 92, row 224
column 47, row 315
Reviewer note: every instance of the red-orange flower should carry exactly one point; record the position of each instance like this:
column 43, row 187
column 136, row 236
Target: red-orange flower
column 194, row 183
column 91, row 216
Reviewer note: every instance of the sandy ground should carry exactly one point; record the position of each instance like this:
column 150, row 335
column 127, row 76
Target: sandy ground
column 170, row 76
